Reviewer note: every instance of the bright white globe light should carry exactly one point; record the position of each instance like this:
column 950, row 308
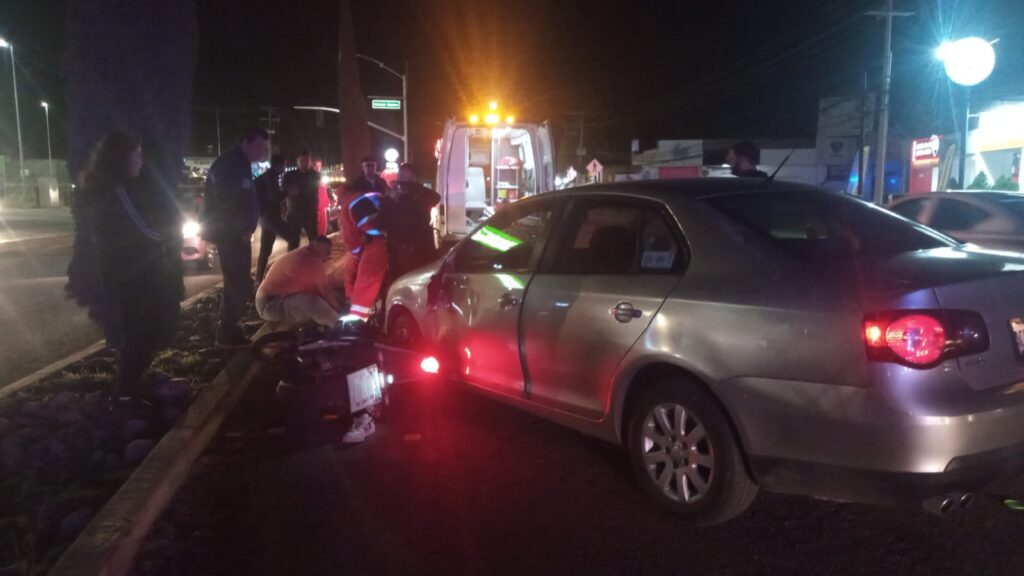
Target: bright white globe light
column 391, row 155
column 190, row 229
column 968, row 61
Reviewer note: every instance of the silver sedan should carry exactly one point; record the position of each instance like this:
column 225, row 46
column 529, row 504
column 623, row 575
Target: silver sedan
column 737, row 335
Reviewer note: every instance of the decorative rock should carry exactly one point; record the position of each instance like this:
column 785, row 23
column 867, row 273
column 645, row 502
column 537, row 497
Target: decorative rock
column 49, row 515
column 34, row 410
column 12, row 453
column 59, row 450
column 170, row 414
column 74, row 523
column 136, row 451
column 63, row 400
column 134, row 429
column 69, row 415
column 37, row 455
column 99, row 435
column 112, row 462
column 29, row 434
column 173, row 391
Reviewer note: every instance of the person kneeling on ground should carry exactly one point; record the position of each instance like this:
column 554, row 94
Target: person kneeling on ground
column 296, row 290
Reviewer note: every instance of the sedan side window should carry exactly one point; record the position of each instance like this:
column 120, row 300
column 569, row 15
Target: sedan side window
column 911, row 209
column 956, row 215
column 508, row 242
column 615, row 238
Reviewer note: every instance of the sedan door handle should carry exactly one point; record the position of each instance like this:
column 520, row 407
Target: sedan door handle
column 508, row 300
column 624, row 312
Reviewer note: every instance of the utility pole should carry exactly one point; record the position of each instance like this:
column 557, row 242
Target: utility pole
column 581, row 150
column 862, row 144
column 49, row 148
column 17, row 116
column 883, row 107
column 270, row 120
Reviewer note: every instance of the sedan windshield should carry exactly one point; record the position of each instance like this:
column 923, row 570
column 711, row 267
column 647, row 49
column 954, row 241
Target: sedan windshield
column 818, row 225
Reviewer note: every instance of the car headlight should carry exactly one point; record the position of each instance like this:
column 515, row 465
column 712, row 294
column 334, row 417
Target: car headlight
column 190, row 230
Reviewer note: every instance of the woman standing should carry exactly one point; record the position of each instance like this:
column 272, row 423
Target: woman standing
column 120, row 270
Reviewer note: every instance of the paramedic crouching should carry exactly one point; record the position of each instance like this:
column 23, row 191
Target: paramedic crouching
column 296, row 290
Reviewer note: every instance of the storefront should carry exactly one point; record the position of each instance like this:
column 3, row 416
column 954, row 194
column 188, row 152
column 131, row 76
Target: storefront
column 924, row 165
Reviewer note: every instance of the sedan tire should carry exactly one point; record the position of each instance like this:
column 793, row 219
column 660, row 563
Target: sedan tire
column 684, row 454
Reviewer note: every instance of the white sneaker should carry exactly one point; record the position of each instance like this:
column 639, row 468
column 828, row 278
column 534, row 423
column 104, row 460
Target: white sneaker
column 362, row 426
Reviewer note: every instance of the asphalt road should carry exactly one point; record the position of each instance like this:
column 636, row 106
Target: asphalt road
column 454, row 483
column 38, row 325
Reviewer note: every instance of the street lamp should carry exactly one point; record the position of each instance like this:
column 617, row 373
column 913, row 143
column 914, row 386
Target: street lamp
column 968, row 62
column 17, row 114
column 49, row 149
column 405, row 102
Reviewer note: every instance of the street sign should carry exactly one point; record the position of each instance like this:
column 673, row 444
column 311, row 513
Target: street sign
column 595, row 167
column 381, row 104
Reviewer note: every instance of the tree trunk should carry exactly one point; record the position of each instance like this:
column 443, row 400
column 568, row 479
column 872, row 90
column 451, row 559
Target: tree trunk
column 355, row 134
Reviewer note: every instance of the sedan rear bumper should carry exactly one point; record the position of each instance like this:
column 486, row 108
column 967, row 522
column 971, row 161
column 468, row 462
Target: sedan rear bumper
column 964, row 474
column 893, row 441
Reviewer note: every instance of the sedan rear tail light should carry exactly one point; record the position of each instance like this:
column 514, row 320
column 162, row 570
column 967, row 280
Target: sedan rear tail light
column 923, row 338
column 430, row 365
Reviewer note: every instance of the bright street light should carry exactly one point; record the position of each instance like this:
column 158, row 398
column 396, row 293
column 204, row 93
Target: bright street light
column 391, row 155
column 968, row 62
column 17, row 115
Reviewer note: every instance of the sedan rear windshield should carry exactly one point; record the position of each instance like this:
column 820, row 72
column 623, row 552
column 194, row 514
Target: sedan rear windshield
column 819, row 225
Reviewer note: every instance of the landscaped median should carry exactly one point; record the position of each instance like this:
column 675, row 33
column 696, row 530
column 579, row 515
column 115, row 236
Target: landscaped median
column 81, row 485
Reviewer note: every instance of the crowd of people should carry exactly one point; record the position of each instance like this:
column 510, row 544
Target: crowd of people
column 126, row 267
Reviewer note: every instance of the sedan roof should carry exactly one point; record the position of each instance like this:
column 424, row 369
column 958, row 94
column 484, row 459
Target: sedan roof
column 690, row 188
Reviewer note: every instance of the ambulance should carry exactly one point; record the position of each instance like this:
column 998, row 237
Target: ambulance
column 486, row 162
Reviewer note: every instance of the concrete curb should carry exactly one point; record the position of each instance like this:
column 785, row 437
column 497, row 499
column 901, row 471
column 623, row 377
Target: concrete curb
column 93, row 348
column 110, row 542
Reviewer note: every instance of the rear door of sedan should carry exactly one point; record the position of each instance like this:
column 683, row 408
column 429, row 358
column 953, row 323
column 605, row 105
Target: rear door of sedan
column 609, row 268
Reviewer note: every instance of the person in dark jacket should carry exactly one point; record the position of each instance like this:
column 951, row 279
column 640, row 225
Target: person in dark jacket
column 303, row 189
column 119, row 268
column 743, row 157
column 369, row 180
column 231, row 210
column 272, row 225
column 407, row 212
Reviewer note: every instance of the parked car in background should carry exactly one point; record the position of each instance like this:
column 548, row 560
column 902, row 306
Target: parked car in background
column 737, row 335
column 988, row 219
column 195, row 250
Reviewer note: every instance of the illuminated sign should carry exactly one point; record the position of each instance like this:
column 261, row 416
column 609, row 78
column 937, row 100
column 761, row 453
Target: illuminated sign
column 925, row 149
column 380, row 104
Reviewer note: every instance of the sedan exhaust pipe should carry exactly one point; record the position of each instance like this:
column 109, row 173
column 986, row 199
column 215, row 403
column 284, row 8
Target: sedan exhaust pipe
column 942, row 505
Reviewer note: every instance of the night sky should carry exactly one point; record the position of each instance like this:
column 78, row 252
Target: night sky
column 638, row 69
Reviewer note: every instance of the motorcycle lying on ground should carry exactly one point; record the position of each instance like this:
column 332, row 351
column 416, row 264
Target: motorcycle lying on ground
column 329, row 375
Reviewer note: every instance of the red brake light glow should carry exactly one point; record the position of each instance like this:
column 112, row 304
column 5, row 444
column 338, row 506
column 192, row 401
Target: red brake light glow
column 874, row 334
column 917, row 339
column 430, row 365
column 922, row 338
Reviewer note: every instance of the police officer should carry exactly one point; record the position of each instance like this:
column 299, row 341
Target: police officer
column 231, row 210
